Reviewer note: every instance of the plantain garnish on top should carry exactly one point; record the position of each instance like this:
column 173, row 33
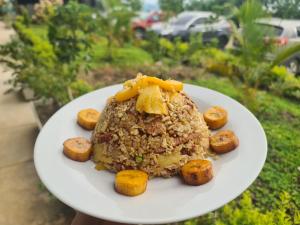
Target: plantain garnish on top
column 149, row 91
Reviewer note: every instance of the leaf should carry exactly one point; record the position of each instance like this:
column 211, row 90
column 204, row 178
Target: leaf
column 286, row 53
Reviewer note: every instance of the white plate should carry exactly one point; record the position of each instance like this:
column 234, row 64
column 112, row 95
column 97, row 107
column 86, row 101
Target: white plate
column 80, row 186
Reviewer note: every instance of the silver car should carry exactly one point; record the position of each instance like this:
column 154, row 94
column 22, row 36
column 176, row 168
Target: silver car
column 193, row 22
column 286, row 33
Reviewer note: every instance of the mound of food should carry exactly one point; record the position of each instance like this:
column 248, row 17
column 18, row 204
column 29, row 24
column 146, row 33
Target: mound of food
column 150, row 125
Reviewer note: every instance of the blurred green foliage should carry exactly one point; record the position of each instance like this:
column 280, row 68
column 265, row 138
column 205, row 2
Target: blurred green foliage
column 80, row 87
column 244, row 212
column 115, row 25
column 121, row 56
column 71, row 30
column 284, row 9
column 174, row 6
column 49, row 65
column 171, row 52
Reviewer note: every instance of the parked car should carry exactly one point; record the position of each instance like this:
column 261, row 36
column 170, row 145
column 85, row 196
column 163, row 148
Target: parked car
column 286, row 32
column 145, row 20
column 193, row 22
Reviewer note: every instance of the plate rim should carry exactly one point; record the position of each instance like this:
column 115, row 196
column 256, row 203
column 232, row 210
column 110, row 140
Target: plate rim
column 153, row 221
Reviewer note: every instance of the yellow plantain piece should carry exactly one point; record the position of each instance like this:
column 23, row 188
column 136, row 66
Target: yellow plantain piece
column 224, row 141
column 131, row 182
column 78, row 149
column 197, row 172
column 150, row 100
column 215, row 117
column 88, row 118
column 133, row 87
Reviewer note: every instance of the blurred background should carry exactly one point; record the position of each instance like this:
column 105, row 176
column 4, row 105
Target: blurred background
column 53, row 51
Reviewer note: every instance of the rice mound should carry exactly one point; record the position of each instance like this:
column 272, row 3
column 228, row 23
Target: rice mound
column 157, row 144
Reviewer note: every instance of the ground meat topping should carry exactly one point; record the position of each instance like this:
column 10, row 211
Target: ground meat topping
column 103, row 137
column 155, row 128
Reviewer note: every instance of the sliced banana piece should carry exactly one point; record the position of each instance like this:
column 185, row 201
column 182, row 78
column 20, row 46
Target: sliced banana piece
column 215, row 117
column 224, row 141
column 78, row 149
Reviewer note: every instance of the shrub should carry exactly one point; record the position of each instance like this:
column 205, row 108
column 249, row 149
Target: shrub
column 216, row 60
column 44, row 10
column 50, row 65
column 277, row 79
column 115, row 24
column 80, row 87
column 126, row 56
column 244, row 212
column 177, row 51
column 284, row 83
column 170, row 52
column 71, row 31
column 151, row 45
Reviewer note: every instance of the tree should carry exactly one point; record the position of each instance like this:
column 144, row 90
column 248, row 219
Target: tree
column 115, row 25
column 222, row 7
column 285, row 9
column 253, row 48
column 135, row 5
column 174, row 6
column 75, row 34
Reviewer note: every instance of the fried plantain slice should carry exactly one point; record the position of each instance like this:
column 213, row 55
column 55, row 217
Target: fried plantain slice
column 78, row 149
column 197, row 172
column 215, row 117
column 88, row 118
column 131, row 182
column 224, row 141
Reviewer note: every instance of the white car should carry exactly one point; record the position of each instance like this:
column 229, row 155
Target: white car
column 193, row 22
column 286, row 33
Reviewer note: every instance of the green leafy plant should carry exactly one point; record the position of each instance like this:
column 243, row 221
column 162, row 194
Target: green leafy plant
column 71, row 31
column 253, row 47
column 218, row 61
column 283, row 82
column 115, row 24
column 172, row 7
column 151, row 45
column 244, row 212
column 79, row 87
column 171, row 52
column 283, row 9
column 285, row 53
column 50, row 65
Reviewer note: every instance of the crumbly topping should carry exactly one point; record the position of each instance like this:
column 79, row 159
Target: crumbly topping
column 162, row 143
